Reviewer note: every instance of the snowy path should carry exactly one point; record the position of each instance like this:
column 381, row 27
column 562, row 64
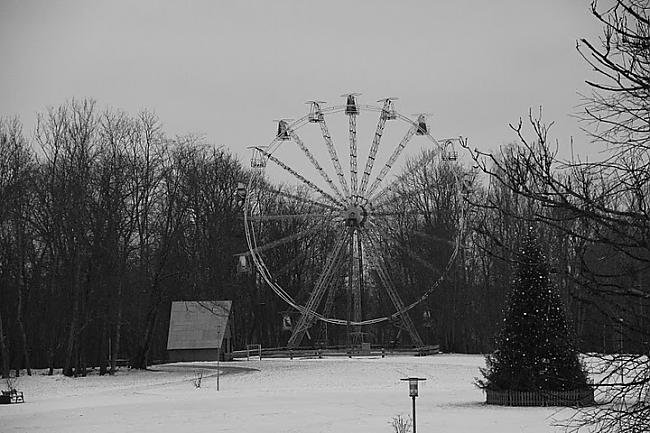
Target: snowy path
column 300, row 395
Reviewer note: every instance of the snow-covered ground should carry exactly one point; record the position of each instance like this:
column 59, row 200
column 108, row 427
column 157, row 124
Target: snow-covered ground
column 278, row 395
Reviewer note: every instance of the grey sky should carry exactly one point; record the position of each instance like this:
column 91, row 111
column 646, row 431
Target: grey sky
column 227, row 69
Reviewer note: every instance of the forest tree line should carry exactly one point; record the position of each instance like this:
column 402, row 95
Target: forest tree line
column 105, row 220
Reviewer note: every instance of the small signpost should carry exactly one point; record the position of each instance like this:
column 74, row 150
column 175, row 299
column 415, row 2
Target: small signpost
column 413, row 392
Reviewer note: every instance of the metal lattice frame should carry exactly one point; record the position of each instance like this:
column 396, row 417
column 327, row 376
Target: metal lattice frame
column 360, row 214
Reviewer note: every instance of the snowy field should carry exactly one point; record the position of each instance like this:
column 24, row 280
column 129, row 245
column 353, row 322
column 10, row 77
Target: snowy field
column 273, row 395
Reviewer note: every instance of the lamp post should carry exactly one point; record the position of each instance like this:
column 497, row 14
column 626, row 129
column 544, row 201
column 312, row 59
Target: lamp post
column 620, row 335
column 620, row 348
column 413, row 392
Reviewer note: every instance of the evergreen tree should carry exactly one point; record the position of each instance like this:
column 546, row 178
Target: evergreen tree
column 534, row 350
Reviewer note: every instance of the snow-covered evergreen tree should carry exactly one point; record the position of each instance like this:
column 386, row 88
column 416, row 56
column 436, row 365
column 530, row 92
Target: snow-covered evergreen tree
column 534, row 349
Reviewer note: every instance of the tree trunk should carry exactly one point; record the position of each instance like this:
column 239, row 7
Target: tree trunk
column 23, row 340
column 115, row 342
column 50, row 359
column 51, row 333
column 22, row 285
column 103, row 353
column 81, row 369
column 4, row 351
column 140, row 360
column 68, row 368
column 21, row 328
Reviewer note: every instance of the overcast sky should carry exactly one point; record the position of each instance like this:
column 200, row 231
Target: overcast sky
column 226, row 69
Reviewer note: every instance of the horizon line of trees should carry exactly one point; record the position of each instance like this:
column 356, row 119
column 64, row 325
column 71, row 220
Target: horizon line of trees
column 113, row 220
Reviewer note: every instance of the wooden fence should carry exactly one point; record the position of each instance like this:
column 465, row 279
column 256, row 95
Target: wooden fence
column 578, row 397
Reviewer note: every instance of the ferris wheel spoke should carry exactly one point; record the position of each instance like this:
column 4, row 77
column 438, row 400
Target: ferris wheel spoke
column 394, row 195
column 421, row 260
column 274, row 244
column 353, row 153
column 299, row 198
column 370, row 162
column 375, row 226
column 400, row 243
column 334, row 156
column 398, row 213
column 330, row 289
column 426, row 263
column 403, row 246
column 432, row 237
column 314, row 162
column 326, row 276
column 288, row 217
column 393, row 295
column 298, row 176
column 292, row 263
column 393, row 158
column 310, row 251
column 401, row 179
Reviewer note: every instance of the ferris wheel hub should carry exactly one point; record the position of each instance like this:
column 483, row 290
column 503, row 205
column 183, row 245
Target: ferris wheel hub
column 355, row 215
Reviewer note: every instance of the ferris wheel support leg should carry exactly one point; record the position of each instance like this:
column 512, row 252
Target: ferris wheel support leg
column 299, row 331
column 329, row 302
column 307, row 317
column 357, row 281
column 405, row 319
column 329, row 305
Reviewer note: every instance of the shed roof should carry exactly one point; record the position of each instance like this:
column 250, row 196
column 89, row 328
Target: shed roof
column 198, row 324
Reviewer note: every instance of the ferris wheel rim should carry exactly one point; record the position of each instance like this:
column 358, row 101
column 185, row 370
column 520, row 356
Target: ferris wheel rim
column 267, row 276
column 304, row 120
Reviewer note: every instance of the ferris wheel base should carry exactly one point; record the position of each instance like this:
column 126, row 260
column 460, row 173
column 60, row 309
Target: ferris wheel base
column 428, row 350
column 344, row 351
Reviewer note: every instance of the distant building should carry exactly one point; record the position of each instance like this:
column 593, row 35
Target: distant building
column 200, row 331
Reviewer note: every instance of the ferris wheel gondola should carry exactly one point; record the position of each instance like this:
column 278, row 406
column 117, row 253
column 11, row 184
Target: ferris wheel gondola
column 283, row 127
column 338, row 230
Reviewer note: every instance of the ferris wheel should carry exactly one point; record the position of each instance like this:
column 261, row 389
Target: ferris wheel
column 320, row 235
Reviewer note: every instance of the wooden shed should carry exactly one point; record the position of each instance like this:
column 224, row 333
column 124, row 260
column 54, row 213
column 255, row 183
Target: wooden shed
column 200, row 331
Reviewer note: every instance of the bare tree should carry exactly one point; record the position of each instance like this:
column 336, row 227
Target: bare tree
column 113, row 222
column 15, row 165
column 601, row 207
column 67, row 137
column 99, row 233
